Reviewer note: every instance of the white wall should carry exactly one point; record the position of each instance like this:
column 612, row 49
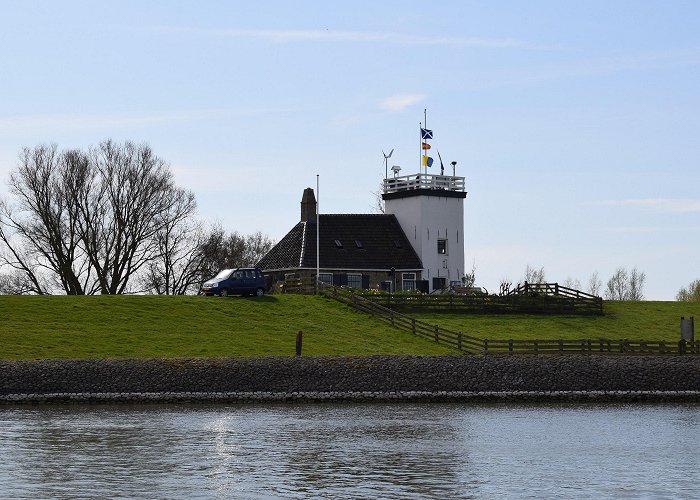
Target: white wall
column 425, row 219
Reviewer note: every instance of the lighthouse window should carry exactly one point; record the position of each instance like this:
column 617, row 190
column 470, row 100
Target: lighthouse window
column 442, row 247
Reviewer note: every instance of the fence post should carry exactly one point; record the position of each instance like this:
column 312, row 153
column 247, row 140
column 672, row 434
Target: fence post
column 437, row 334
column 561, row 344
column 486, row 346
column 510, row 345
column 536, row 345
column 662, row 347
column 299, row 339
column 681, row 347
column 413, row 325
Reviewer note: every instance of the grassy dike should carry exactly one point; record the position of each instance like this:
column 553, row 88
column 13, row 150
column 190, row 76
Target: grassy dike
column 33, row 327
column 645, row 320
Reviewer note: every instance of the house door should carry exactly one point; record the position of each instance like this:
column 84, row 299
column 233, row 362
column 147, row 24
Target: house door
column 439, row 283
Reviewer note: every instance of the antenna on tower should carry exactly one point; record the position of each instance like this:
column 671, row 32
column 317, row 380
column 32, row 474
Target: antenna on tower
column 386, row 163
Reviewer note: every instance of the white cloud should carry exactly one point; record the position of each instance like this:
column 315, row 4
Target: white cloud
column 348, row 36
column 663, row 205
column 399, row 102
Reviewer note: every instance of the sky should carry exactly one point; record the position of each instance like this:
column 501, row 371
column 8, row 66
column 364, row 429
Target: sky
column 575, row 124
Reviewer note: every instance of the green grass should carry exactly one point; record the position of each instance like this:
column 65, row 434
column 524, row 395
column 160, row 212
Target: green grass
column 631, row 320
column 34, row 327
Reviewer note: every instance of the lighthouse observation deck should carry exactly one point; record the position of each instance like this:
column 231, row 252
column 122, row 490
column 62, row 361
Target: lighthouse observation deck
column 426, row 184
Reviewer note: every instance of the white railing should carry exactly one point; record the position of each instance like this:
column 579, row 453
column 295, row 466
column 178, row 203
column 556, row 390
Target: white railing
column 423, row 181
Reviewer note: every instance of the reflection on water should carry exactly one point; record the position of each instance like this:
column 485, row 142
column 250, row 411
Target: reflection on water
column 350, row 451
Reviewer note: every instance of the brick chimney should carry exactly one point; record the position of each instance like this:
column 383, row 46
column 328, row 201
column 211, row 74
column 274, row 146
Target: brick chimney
column 308, row 206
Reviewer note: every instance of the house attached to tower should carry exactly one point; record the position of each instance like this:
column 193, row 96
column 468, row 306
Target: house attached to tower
column 417, row 243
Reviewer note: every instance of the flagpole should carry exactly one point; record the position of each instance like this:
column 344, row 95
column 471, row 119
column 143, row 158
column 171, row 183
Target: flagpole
column 420, row 147
column 425, row 120
column 318, row 256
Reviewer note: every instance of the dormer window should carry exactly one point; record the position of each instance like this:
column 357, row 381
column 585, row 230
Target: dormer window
column 359, row 244
column 338, row 244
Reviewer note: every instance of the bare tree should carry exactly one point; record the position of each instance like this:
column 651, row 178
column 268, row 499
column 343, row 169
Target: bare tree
column 41, row 231
column 176, row 267
column 222, row 251
column 626, row 285
column 635, row 285
column 690, row 294
column 616, row 288
column 256, row 247
column 594, row 284
column 504, row 287
column 469, row 279
column 534, row 276
column 570, row 282
column 15, row 283
column 378, row 206
column 88, row 223
column 131, row 207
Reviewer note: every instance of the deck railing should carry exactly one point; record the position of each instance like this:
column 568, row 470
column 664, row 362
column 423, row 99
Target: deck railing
column 423, row 181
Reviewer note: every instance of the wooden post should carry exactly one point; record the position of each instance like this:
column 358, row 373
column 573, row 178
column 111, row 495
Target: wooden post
column 486, row 346
column 510, row 345
column 413, row 325
column 437, row 334
column 662, row 347
column 681, row 347
column 299, row 338
column 459, row 341
column 536, row 345
column 561, row 344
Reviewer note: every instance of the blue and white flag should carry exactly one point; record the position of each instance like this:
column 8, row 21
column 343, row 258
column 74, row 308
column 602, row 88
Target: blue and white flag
column 426, row 134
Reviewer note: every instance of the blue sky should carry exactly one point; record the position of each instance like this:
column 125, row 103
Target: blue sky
column 575, row 123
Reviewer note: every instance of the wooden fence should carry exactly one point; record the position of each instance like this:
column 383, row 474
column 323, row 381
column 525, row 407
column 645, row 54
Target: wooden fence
column 548, row 298
column 475, row 345
column 465, row 343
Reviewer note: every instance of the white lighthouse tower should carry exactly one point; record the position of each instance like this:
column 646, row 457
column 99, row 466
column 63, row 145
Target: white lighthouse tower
column 430, row 210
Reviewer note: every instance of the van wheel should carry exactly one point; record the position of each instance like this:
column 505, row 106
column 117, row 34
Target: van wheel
column 223, row 292
column 259, row 292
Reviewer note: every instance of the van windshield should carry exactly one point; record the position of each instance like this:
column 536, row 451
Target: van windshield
column 223, row 274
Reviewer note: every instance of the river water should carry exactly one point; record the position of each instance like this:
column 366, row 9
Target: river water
column 401, row 450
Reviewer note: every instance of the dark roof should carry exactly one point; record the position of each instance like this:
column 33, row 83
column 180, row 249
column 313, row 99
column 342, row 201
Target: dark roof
column 367, row 242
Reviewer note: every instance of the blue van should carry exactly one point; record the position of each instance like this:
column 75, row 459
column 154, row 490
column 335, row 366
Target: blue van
column 240, row 281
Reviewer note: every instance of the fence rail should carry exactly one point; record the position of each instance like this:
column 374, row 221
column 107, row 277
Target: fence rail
column 475, row 345
column 552, row 299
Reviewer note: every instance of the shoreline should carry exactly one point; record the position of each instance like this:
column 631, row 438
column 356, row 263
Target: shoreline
column 359, row 397
column 354, row 379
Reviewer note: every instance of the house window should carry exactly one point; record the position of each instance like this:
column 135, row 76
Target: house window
column 408, row 281
column 355, row 280
column 325, row 278
column 442, row 247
